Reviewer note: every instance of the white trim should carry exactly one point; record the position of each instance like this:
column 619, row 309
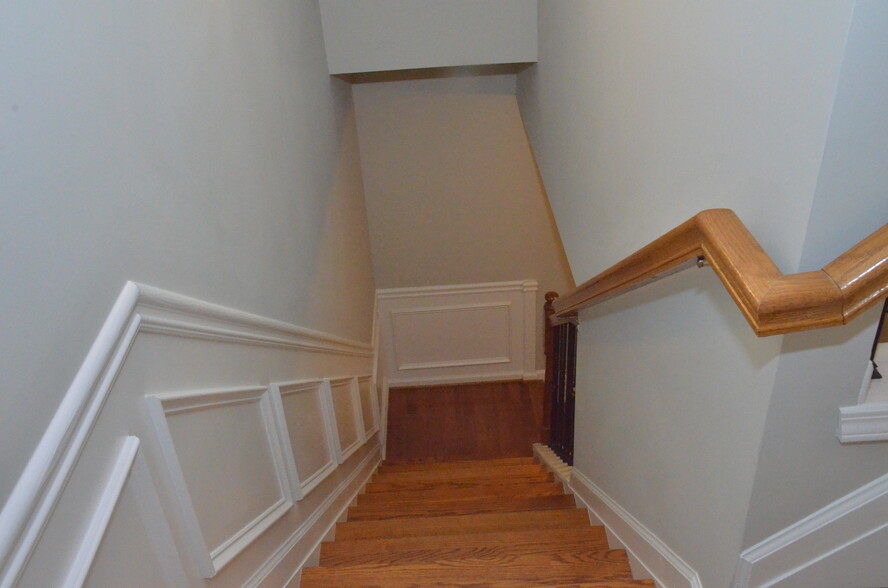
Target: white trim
column 665, row 566
column 530, row 325
column 554, row 464
column 535, row 376
column 129, row 465
column 138, row 308
column 374, row 406
column 460, row 379
column 211, row 560
column 252, row 326
column 354, row 394
column 388, row 293
column 98, row 525
column 863, row 422
column 453, row 363
column 301, row 487
column 281, row 552
column 844, row 522
column 330, row 421
column 866, row 382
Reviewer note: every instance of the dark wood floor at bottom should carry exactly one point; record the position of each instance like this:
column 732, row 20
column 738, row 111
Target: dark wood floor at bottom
column 466, row 421
column 454, row 526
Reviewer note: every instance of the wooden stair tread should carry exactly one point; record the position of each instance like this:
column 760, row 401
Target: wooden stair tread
column 436, row 485
column 601, row 566
column 457, row 547
column 489, row 523
column 387, row 467
column 451, row 507
column 455, row 524
column 447, row 493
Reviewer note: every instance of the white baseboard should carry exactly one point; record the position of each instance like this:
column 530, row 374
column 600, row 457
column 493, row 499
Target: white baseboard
column 331, row 511
column 447, row 380
column 834, row 527
column 663, row 565
column 535, row 376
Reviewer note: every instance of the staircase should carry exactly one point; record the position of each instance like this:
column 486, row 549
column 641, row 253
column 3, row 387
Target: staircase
column 501, row 522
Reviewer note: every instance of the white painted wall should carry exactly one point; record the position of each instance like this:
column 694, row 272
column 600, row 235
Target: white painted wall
column 802, row 465
column 640, row 115
column 453, row 194
column 198, row 147
column 379, row 35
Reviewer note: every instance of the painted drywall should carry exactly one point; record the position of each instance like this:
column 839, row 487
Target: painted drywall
column 197, row 147
column 803, row 466
column 453, row 194
column 641, row 114
column 380, row 35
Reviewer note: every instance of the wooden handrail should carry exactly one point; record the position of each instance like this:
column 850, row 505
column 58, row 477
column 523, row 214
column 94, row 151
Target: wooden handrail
column 773, row 303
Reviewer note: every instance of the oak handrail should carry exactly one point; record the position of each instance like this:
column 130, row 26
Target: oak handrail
column 772, row 302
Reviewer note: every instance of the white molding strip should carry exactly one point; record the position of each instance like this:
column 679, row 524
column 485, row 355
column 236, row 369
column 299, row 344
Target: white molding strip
column 521, row 286
column 840, row 524
column 281, row 552
column 210, row 559
column 535, row 376
column 383, row 437
column 863, row 422
column 237, row 325
column 666, row 567
column 554, row 464
column 138, row 308
column 355, row 400
column 89, row 546
column 445, row 380
column 129, row 466
column 373, row 427
column 316, row 386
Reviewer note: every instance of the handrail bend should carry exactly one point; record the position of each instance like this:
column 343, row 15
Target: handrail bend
column 773, row 303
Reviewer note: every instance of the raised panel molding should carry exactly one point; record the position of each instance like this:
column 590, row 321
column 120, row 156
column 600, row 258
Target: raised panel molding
column 369, row 403
column 346, row 414
column 458, row 333
column 129, row 468
column 67, row 477
column 212, row 558
column 315, row 388
column 848, row 520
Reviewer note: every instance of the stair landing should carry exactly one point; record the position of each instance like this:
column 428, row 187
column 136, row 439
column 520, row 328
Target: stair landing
column 500, row 522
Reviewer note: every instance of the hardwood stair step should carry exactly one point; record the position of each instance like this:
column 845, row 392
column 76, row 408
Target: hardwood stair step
column 435, row 485
column 457, row 524
column 447, row 493
column 387, row 467
column 476, row 472
column 441, row 548
column 460, row 507
column 611, row 568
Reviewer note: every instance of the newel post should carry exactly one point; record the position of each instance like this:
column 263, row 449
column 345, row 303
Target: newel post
column 548, row 311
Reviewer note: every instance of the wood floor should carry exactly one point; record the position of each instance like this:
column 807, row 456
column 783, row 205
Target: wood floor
column 498, row 522
column 464, row 422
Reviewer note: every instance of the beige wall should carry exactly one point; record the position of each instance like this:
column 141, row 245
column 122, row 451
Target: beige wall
column 201, row 148
column 641, row 114
column 453, row 195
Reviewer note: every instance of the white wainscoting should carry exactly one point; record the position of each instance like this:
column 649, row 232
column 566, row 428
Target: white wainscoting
column 843, row 524
column 180, row 447
column 222, row 449
column 458, row 333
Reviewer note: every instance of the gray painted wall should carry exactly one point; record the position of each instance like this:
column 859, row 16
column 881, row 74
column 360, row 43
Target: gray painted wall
column 640, row 115
column 452, row 190
column 802, row 466
column 198, row 147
